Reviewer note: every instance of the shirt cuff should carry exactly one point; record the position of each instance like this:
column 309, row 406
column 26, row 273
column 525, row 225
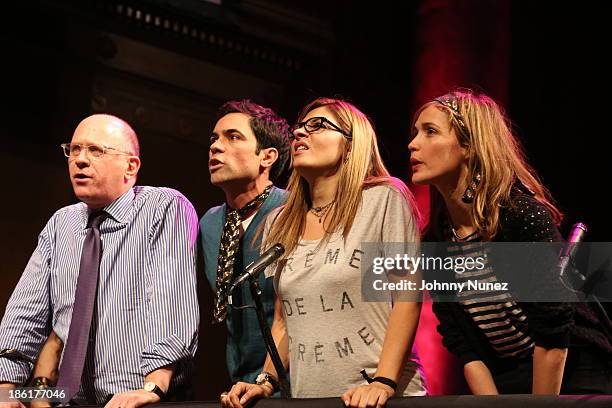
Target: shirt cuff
column 166, row 352
column 16, row 372
column 467, row 357
column 552, row 340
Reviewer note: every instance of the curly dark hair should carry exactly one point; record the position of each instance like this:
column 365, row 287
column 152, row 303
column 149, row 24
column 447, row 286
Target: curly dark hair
column 270, row 130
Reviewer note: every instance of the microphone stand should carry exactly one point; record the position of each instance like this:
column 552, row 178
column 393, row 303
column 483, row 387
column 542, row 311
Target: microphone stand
column 586, row 283
column 283, row 383
column 587, row 288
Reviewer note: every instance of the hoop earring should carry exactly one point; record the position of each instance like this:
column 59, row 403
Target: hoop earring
column 470, row 191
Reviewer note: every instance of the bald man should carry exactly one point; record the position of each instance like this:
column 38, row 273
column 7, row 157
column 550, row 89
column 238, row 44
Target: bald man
column 129, row 328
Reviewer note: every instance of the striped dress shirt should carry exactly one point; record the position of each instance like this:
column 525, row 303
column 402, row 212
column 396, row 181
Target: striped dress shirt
column 146, row 314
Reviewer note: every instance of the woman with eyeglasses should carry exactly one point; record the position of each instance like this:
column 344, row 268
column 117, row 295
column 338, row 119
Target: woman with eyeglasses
column 341, row 199
column 483, row 190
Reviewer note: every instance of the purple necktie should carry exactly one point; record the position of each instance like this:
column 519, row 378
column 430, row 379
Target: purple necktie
column 75, row 351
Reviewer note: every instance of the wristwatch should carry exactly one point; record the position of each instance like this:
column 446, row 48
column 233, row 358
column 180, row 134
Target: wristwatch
column 150, row 386
column 41, row 383
column 264, row 377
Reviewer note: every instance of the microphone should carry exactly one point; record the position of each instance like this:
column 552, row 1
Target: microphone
column 257, row 266
column 575, row 237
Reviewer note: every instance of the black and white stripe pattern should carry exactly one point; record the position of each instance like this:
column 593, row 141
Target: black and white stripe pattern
column 146, row 311
column 496, row 314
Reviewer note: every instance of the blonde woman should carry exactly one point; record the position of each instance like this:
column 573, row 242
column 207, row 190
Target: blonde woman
column 484, row 190
column 341, row 196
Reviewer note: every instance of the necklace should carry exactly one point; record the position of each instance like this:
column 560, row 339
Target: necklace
column 467, row 237
column 320, row 212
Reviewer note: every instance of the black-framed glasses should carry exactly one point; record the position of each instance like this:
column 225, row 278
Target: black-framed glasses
column 317, row 123
column 93, row 150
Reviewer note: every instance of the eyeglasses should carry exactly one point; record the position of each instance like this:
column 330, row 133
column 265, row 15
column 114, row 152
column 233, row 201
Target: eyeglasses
column 317, row 123
column 74, row 150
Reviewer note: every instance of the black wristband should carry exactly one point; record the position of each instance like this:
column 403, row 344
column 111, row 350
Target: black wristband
column 386, row 381
column 382, row 380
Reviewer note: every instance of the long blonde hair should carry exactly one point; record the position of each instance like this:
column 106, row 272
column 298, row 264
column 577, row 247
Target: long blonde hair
column 495, row 154
column 360, row 167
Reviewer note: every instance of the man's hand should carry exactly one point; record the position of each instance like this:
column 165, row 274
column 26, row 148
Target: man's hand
column 242, row 392
column 40, row 403
column 372, row 395
column 131, row 399
column 4, row 402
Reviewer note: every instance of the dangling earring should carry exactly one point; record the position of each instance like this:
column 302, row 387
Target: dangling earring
column 470, row 191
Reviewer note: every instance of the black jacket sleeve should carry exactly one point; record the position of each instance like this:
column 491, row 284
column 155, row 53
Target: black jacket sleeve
column 453, row 337
column 527, row 220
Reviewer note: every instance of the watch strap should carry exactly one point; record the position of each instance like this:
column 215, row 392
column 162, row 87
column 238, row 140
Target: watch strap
column 41, row 383
column 269, row 378
column 158, row 391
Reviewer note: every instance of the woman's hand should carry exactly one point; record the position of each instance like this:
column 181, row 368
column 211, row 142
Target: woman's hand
column 242, row 392
column 372, row 395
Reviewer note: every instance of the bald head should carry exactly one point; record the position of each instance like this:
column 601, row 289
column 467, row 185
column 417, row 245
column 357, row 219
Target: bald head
column 115, row 127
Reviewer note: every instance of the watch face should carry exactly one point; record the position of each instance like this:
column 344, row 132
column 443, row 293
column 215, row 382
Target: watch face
column 149, row 386
column 261, row 378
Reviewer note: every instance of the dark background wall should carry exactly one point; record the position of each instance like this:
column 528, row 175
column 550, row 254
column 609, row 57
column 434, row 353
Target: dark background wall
column 166, row 65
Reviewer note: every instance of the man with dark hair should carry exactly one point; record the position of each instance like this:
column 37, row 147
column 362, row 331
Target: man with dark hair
column 269, row 129
column 249, row 148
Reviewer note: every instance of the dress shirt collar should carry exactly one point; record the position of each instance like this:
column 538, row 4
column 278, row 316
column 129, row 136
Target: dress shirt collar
column 118, row 209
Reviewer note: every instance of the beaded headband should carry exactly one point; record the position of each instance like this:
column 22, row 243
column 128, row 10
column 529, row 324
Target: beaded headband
column 451, row 103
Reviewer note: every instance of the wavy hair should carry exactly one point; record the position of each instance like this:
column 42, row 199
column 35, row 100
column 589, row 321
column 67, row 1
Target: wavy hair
column 495, row 153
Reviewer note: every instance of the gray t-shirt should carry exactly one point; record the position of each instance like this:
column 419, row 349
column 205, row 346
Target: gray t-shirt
column 333, row 333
